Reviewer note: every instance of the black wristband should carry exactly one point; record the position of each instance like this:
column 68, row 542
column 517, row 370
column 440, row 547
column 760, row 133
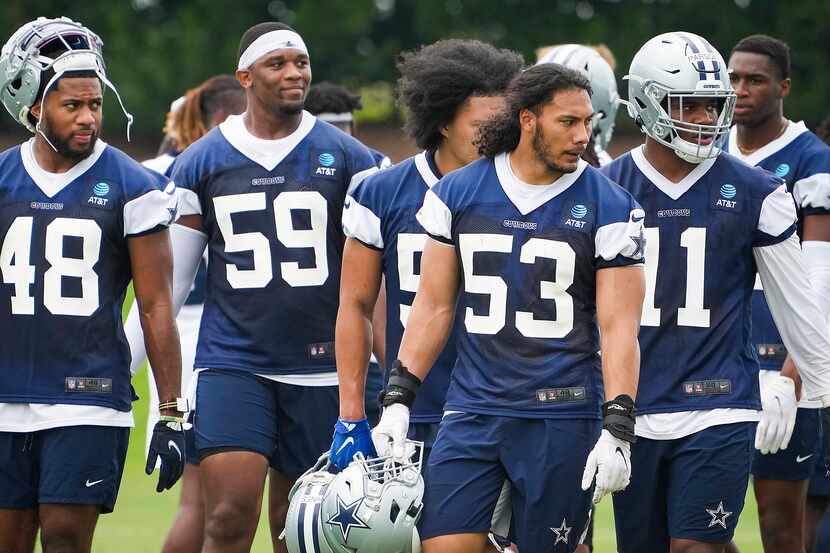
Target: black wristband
column 401, row 387
column 618, row 418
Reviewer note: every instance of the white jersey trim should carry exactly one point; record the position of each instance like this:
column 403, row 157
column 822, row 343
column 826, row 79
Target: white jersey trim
column 617, row 238
column 777, row 212
column 361, row 223
column 813, row 191
column 793, row 131
column 263, row 152
column 671, row 426
column 52, row 183
column 32, row 417
column 671, row 189
column 422, row 165
column 435, row 216
column 154, row 208
column 159, row 164
column 358, row 177
column 527, row 197
column 310, row 380
column 189, row 203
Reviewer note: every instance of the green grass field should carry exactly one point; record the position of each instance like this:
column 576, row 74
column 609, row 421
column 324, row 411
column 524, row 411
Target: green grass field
column 142, row 516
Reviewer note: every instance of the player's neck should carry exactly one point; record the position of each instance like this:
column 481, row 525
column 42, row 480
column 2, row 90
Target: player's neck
column 268, row 125
column 666, row 162
column 757, row 136
column 446, row 161
column 526, row 165
column 49, row 160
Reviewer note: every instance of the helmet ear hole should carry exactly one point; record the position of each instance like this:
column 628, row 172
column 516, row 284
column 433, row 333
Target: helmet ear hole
column 15, row 84
column 394, row 511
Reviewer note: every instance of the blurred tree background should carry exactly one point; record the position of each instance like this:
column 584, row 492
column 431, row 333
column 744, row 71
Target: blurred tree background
column 156, row 49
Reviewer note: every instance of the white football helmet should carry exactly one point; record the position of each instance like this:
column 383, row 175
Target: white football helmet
column 60, row 45
column 369, row 507
column 667, row 69
column 603, row 84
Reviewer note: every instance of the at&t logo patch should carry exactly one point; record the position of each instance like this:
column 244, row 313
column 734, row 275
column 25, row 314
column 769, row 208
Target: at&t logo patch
column 327, row 165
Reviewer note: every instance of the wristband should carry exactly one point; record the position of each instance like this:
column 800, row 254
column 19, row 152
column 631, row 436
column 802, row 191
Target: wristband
column 618, row 418
column 167, row 418
column 401, row 387
column 179, row 404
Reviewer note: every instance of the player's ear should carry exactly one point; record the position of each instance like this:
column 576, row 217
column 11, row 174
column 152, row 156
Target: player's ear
column 244, row 77
column 527, row 120
column 445, row 131
column 784, row 87
column 35, row 109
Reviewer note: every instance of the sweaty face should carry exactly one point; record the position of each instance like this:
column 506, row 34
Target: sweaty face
column 280, row 80
column 71, row 117
column 757, row 85
column 462, row 131
column 562, row 131
column 697, row 111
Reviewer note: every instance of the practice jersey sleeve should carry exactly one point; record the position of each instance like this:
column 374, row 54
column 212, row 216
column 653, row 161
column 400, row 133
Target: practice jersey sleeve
column 777, row 217
column 362, row 213
column 812, row 189
column 152, row 209
column 621, row 242
column 436, row 218
column 186, row 173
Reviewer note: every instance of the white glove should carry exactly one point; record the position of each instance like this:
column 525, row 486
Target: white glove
column 777, row 416
column 389, row 436
column 610, row 460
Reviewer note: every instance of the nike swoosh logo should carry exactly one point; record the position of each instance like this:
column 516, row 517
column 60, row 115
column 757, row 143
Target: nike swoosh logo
column 635, row 219
column 90, row 484
column 800, row 459
column 172, row 445
column 348, row 441
column 349, row 426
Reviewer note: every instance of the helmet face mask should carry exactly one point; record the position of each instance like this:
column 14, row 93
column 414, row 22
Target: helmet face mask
column 371, row 506
column 675, row 70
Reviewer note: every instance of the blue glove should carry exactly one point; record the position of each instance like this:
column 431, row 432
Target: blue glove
column 166, row 444
column 350, row 437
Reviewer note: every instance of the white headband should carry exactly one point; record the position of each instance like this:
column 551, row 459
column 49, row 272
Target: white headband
column 330, row 117
column 273, row 40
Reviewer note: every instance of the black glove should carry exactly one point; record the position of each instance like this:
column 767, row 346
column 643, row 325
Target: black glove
column 167, row 444
column 401, row 387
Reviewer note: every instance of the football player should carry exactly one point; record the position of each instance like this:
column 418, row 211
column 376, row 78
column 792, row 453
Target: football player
column 712, row 222
column 603, row 96
column 80, row 219
column 334, row 104
column 759, row 70
column 204, row 107
column 266, row 189
column 534, row 246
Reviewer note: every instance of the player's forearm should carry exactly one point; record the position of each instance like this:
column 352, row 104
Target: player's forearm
column 796, row 315
column 161, row 340
column 379, row 326
column 620, row 293
column 427, row 330
column 353, row 343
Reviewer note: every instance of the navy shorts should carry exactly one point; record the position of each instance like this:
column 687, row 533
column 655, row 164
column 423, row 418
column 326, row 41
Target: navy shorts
column 78, row 465
column 689, row 488
column 542, row 458
column 290, row 425
column 820, row 479
column 424, row 432
column 798, row 461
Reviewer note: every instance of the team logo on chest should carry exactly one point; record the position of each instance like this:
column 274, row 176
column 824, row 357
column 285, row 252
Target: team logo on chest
column 98, row 198
column 326, row 164
column 578, row 215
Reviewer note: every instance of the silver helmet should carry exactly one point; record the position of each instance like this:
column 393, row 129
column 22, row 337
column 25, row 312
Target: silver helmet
column 60, row 45
column 371, row 506
column 668, row 69
column 603, row 83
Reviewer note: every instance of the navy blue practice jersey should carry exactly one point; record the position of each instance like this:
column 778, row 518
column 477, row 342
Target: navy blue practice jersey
column 700, row 233
column 272, row 212
column 65, row 269
column 381, row 214
column 528, row 256
column 803, row 161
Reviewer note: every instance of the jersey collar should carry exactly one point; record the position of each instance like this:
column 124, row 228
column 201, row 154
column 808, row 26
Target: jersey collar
column 425, row 169
column 793, row 131
column 527, row 197
column 266, row 153
column 671, row 189
column 52, row 183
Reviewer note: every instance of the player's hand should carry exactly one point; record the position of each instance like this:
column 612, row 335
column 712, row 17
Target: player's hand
column 779, row 408
column 167, row 444
column 389, row 436
column 610, row 461
column 350, row 437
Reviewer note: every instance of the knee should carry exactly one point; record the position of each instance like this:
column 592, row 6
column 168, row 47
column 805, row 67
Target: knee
column 779, row 528
column 64, row 538
column 691, row 546
column 229, row 522
column 277, row 512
